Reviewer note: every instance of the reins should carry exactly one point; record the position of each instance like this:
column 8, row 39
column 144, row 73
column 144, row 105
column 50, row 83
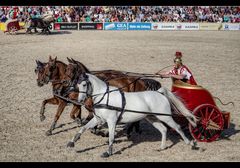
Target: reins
column 134, row 74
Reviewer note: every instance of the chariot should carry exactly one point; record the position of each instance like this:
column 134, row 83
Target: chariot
column 211, row 120
column 13, row 26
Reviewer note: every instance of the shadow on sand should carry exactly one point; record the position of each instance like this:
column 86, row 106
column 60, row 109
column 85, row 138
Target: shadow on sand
column 54, row 32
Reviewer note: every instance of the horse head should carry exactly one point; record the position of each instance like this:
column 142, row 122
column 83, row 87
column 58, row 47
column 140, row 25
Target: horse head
column 39, row 70
column 72, row 73
column 50, row 70
column 85, row 88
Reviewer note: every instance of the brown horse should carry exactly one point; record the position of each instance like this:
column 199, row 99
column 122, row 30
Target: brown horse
column 54, row 71
column 112, row 77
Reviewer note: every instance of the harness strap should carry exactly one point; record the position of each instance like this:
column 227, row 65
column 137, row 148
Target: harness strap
column 107, row 91
column 123, row 106
column 127, row 110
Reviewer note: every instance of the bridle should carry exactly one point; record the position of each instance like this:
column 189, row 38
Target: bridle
column 48, row 77
column 89, row 90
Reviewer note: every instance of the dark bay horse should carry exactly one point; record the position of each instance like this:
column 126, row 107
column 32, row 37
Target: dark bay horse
column 54, row 71
column 44, row 23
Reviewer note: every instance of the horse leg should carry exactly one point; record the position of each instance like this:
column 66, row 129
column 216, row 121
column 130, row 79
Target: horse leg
column 29, row 30
column 176, row 127
column 76, row 114
column 35, row 30
column 62, row 105
column 89, row 106
column 92, row 123
column 111, row 130
column 158, row 125
column 52, row 100
column 135, row 125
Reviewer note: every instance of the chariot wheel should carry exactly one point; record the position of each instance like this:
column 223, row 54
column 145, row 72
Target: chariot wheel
column 210, row 123
column 12, row 30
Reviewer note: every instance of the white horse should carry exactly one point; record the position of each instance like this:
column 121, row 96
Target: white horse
column 154, row 104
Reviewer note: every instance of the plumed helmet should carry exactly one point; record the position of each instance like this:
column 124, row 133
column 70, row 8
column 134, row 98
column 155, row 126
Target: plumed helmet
column 178, row 57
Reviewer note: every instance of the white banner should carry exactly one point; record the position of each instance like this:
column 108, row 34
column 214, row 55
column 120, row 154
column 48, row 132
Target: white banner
column 231, row 26
column 163, row 26
column 187, row 26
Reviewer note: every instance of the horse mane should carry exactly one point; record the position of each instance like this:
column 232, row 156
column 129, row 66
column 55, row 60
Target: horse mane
column 83, row 67
column 57, row 61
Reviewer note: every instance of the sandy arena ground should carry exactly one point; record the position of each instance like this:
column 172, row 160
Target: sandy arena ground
column 213, row 57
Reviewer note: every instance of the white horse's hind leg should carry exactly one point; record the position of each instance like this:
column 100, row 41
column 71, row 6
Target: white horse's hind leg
column 175, row 126
column 92, row 123
column 158, row 125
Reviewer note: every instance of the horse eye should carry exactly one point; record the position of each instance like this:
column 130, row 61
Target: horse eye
column 84, row 85
column 35, row 71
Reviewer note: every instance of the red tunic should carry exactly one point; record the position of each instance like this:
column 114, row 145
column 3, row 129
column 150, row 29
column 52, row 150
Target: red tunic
column 184, row 70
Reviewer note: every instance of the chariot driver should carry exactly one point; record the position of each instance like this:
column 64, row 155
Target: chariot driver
column 179, row 71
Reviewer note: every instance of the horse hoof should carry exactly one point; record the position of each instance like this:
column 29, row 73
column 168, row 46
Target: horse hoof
column 78, row 120
column 163, row 148
column 70, row 144
column 84, row 121
column 49, row 132
column 42, row 118
column 105, row 155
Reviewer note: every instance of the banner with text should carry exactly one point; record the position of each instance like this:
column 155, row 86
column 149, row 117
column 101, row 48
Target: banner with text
column 90, row 26
column 163, row 26
column 65, row 26
column 175, row 26
column 231, row 26
column 210, row 26
column 115, row 26
column 139, row 26
column 187, row 26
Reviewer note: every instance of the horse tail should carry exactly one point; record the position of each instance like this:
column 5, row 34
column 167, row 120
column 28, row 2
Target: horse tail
column 178, row 106
column 151, row 84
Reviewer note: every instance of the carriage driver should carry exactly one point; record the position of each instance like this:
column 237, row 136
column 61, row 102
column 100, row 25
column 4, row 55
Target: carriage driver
column 179, row 71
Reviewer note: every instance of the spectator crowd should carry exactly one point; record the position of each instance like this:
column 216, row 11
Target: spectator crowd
column 216, row 14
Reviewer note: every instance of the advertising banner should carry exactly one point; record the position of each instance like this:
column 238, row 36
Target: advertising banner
column 90, row 26
column 163, row 26
column 115, row 26
column 187, row 26
column 65, row 26
column 139, row 26
column 231, row 26
column 210, row 26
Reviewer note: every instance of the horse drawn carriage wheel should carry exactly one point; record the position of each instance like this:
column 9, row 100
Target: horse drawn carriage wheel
column 13, row 30
column 210, row 124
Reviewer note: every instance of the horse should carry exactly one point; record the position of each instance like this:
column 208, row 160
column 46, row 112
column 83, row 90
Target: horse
column 43, row 23
column 54, row 71
column 110, row 104
column 114, row 78
column 51, row 73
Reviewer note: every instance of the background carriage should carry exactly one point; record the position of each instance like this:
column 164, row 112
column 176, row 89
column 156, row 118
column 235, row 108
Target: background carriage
column 212, row 121
column 13, row 26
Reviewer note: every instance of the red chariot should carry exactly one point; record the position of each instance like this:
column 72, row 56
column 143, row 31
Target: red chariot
column 211, row 120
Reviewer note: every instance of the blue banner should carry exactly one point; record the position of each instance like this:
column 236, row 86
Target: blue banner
column 115, row 26
column 139, row 26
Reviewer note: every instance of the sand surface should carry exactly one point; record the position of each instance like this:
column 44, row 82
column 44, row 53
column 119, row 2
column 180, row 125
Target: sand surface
column 213, row 57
